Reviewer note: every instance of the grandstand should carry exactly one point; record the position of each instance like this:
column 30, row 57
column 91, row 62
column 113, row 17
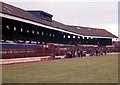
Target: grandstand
column 34, row 33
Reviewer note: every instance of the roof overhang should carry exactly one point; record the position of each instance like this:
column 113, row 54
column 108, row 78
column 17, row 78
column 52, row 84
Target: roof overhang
column 42, row 25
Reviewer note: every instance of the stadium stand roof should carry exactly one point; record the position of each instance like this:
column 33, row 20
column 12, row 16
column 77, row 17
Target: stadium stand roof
column 84, row 31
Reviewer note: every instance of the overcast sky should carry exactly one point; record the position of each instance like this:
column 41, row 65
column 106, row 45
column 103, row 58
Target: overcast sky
column 90, row 13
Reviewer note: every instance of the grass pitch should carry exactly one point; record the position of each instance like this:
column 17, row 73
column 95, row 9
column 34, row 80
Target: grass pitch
column 99, row 69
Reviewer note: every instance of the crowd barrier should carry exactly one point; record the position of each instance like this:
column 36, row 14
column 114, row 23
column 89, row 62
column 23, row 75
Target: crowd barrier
column 23, row 60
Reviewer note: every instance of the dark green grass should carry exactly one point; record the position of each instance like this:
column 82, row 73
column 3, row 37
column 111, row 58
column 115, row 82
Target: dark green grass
column 101, row 69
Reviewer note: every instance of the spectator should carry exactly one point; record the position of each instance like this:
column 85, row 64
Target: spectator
column 81, row 53
column 76, row 53
column 96, row 52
